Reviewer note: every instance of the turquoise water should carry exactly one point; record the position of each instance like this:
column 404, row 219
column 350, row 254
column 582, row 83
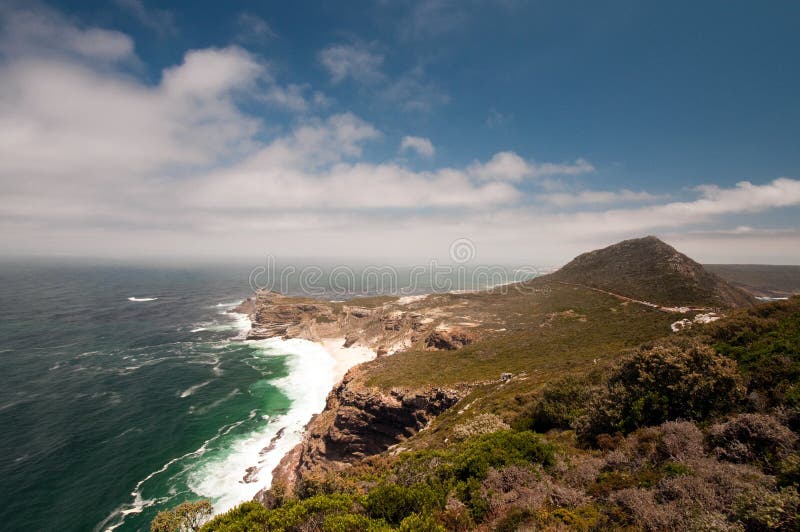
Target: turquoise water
column 114, row 409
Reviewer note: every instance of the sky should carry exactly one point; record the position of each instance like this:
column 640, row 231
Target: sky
column 386, row 130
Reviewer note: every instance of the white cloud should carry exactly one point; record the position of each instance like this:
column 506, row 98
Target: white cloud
column 595, row 197
column 44, row 32
column 420, row 145
column 317, row 167
column 508, row 166
column 160, row 21
column 357, row 62
column 714, row 202
column 212, row 72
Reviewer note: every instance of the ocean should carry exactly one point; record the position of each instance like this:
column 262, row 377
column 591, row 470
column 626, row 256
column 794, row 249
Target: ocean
column 129, row 390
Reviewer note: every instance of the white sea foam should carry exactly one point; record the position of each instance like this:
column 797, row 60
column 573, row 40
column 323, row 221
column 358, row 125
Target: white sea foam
column 241, row 322
column 313, row 371
column 140, row 299
column 117, row 517
column 191, row 389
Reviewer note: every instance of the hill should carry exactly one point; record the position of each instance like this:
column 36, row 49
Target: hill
column 650, row 270
column 761, row 280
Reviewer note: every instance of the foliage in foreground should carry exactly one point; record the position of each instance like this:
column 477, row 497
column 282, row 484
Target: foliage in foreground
column 188, row 516
column 414, row 495
column 678, row 379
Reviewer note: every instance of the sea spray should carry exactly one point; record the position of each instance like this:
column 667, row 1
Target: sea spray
column 238, row 474
column 238, row 461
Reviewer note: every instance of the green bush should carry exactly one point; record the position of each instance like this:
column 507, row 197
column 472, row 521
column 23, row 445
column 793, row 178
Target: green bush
column 500, row 449
column 245, row 517
column 353, row 523
column 420, row 523
column 678, row 379
column 514, row 519
column 766, row 343
column 394, row 503
column 186, row 517
column 561, row 403
column 764, row 510
column 253, row 516
column 470, row 493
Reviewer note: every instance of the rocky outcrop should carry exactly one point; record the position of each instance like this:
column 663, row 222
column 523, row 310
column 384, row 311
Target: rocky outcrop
column 360, row 421
column 449, row 339
column 387, row 327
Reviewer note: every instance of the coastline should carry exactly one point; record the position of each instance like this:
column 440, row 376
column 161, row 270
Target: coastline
column 316, row 369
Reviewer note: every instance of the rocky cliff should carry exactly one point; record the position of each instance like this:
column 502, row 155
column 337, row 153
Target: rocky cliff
column 359, row 421
column 386, row 324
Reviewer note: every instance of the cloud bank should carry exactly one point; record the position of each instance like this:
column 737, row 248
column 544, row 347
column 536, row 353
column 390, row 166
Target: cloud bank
column 95, row 160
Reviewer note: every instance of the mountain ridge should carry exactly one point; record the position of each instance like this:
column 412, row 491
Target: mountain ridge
column 651, row 270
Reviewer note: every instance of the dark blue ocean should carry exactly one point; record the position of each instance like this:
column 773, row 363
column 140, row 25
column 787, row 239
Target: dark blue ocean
column 113, row 409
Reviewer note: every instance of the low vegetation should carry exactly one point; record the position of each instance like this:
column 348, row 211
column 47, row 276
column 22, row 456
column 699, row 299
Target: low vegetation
column 698, row 431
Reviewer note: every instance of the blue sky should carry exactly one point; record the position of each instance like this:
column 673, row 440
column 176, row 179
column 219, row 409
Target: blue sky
column 390, row 128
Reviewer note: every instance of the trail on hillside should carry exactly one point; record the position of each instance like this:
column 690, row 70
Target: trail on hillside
column 681, row 310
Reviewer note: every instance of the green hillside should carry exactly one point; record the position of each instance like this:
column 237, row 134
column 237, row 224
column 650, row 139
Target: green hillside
column 650, row 270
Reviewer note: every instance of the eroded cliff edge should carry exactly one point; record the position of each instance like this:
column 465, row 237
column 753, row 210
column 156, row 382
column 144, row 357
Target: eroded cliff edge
column 360, row 420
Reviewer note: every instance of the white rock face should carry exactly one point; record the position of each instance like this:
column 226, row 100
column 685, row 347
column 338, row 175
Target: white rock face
column 700, row 318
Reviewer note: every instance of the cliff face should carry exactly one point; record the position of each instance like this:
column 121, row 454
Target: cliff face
column 357, row 422
column 385, row 325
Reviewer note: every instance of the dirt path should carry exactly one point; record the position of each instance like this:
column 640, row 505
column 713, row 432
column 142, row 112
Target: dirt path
column 681, row 310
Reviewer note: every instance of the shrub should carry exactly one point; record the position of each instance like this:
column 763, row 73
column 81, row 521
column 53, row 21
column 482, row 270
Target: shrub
column 481, row 424
column 514, row 519
column 292, row 514
column 583, row 518
column 560, row 405
column 752, row 438
column 515, row 486
column 420, row 523
column 247, row 516
column 681, row 440
column 353, row 523
column 501, row 449
column 456, row 516
column 394, row 503
column 765, row 510
column 188, row 516
column 676, row 380
column 766, row 342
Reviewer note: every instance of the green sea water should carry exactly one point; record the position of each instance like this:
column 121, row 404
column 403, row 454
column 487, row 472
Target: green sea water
column 113, row 409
